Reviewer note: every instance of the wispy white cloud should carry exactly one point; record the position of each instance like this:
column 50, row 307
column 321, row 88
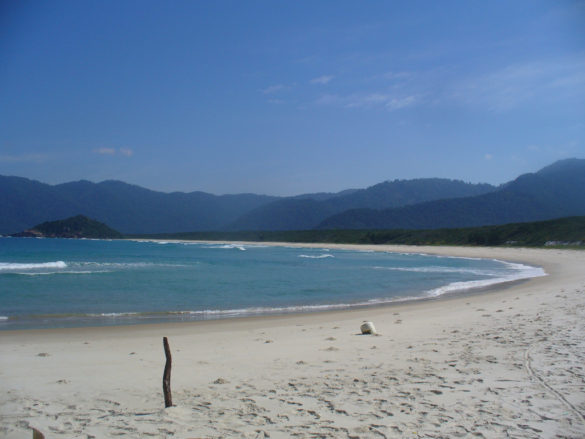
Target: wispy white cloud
column 113, row 151
column 325, row 79
column 394, row 76
column 501, row 89
column 105, row 151
column 398, row 103
column 367, row 100
column 23, row 158
column 570, row 80
column 271, row 89
column 517, row 84
column 386, row 101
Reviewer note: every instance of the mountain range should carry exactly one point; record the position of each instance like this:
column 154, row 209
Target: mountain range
column 127, row 208
column 555, row 191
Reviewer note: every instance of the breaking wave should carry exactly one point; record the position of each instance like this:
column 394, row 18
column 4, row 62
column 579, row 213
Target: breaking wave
column 316, row 256
column 520, row 272
column 14, row 266
column 228, row 246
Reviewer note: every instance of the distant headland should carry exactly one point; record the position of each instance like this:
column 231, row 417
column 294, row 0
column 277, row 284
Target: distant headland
column 74, row 227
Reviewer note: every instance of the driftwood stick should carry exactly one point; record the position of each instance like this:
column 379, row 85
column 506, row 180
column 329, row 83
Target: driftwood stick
column 167, row 375
column 37, row 434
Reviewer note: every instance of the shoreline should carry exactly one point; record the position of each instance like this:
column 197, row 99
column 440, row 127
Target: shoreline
column 130, row 318
column 497, row 363
column 341, row 312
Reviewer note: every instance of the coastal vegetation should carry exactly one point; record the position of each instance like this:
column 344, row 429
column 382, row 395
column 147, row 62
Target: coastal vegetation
column 559, row 232
column 562, row 232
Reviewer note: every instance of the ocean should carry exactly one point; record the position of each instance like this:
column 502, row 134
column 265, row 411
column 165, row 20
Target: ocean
column 50, row 283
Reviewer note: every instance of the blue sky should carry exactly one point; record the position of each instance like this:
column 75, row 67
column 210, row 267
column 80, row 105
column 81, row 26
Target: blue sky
column 283, row 97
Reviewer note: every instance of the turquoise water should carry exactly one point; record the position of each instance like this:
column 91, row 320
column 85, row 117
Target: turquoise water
column 64, row 283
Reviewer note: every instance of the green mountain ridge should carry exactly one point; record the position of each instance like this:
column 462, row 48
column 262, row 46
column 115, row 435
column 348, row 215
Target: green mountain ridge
column 302, row 214
column 555, row 191
column 126, row 207
column 134, row 209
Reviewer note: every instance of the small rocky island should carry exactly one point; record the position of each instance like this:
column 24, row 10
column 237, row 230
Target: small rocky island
column 75, row 227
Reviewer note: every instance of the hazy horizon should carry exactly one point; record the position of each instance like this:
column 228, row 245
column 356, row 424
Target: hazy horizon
column 239, row 193
column 285, row 99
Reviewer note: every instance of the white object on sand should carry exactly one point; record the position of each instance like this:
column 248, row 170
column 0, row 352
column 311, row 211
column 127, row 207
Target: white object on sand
column 368, row 328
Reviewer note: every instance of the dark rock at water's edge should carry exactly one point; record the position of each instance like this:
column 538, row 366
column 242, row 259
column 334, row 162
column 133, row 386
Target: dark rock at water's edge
column 74, row 227
column 31, row 233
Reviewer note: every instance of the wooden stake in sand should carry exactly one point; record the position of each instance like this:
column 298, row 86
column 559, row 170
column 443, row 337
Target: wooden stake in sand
column 167, row 375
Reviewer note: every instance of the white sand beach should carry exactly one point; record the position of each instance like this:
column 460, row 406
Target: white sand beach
column 508, row 362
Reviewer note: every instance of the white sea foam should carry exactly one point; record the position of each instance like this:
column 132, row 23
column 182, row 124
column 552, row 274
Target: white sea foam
column 269, row 310
column 2, row 318
column 218, row 313
column 114, row 314
column 124, row 264
column 466, row 258
column 521, row 272
column 227, row 246
column 48, row 273
column 84, row 267
column 13, row 266
column 316, row 256
column 438, row 269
